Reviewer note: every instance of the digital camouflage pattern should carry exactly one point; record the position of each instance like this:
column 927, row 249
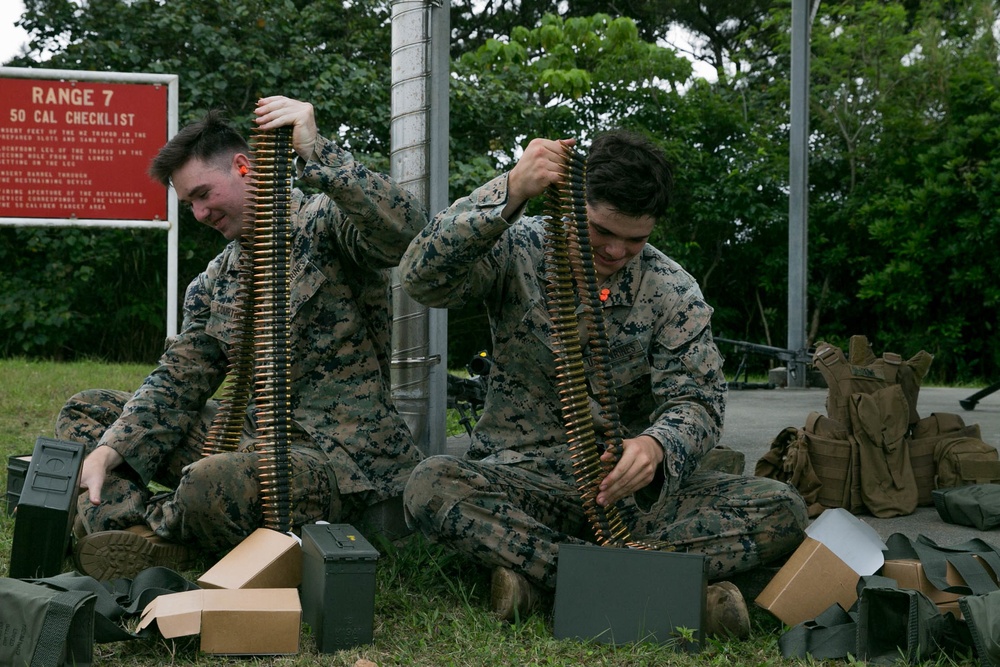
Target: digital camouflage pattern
column 349, row 441
column 513, row 499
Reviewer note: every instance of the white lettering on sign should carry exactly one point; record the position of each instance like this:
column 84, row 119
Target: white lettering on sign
column 74, row 96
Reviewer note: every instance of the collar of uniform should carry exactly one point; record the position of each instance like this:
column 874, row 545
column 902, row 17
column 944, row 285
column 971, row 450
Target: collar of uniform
column 624, row 283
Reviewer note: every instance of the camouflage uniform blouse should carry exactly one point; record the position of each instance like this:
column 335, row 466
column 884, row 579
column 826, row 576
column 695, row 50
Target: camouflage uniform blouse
column 345, row 242
column 665, row 364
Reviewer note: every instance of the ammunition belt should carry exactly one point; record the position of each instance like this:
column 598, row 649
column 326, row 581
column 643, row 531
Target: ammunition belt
column 260, row 359
column 574, row 307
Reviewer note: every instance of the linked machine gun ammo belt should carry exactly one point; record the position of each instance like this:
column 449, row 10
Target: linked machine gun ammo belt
column 571, row 281
column 260, row 360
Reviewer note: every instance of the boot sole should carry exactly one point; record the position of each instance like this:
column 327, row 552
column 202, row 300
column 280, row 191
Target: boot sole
column 116, row 554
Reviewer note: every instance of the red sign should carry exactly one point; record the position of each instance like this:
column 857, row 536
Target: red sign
column 80, row 149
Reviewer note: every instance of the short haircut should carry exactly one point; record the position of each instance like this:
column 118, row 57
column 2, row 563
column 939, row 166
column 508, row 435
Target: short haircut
column 211, row 139
column 627, row 171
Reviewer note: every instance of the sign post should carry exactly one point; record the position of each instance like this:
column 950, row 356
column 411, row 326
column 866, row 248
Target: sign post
column 74, row 150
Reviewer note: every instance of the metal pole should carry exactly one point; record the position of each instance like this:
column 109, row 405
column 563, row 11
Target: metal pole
column 419, row 161
column 798, row 200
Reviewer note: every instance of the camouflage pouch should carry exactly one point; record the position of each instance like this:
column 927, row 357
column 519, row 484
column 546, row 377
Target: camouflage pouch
column 879, row 425
column 964, row 460
column 788, row 461
column 924, row 437
column 974, row 505
column 835, row 459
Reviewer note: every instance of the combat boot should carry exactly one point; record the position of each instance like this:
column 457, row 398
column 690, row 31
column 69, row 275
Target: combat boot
column 726, row 614
column 116, row 554
column 512, row 595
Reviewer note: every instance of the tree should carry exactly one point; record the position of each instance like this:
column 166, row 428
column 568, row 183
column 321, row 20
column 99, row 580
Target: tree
column 902, row 102
column 720, row 24
column 931, row 203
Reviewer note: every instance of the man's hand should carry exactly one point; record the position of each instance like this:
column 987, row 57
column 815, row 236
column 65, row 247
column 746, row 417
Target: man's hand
column 539, row 167
column 278, row 111
column 635, row 469
column 95, row 469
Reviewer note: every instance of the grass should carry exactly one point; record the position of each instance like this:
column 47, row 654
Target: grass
column 431, row 606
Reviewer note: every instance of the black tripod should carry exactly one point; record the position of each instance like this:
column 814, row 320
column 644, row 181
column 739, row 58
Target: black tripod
column 970, row 402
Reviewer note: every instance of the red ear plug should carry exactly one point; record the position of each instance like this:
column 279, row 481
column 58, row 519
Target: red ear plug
column 243, row 170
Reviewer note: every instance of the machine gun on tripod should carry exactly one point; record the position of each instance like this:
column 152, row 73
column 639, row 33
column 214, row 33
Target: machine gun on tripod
column 745, row 348
column 468, row 395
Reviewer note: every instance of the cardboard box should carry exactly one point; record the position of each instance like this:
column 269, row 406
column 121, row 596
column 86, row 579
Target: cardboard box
column 265, row 559
column 253, row 621
column 910, row 574
column 618, row 596
column 839, row 549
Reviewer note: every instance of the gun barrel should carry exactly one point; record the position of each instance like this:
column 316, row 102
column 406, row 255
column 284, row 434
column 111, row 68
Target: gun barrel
column 781, row 353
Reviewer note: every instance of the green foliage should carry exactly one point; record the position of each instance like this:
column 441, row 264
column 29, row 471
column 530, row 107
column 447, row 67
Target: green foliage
column 933, row 217
column 64, row 289
column 908, row 107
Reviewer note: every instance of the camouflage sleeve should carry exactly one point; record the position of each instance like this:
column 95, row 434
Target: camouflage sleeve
column 375, row 217
column 688, row 382
column 455, row 259
column 168, row 402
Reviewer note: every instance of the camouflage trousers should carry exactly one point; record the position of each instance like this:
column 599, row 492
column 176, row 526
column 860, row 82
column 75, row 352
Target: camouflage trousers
column 512, row 516
column 214, row 501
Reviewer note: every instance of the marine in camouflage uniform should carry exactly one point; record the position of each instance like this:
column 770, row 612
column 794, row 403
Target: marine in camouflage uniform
column 349, row 447
column 512, row 500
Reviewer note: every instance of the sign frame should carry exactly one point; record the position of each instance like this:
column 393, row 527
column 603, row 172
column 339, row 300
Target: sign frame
column 172, row 84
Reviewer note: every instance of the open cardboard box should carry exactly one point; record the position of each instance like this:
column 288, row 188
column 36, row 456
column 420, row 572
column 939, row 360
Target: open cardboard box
column 838, row 550
column 252, row 621
column 249, row 604
column 910, row 574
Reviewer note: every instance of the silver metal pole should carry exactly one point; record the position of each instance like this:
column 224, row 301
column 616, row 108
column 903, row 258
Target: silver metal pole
column 798, row 200
column 419, row 162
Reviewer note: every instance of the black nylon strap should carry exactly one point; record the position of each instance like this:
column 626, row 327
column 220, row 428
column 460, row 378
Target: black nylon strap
column 973, row 572
column 829, row 636
column 935, row 559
